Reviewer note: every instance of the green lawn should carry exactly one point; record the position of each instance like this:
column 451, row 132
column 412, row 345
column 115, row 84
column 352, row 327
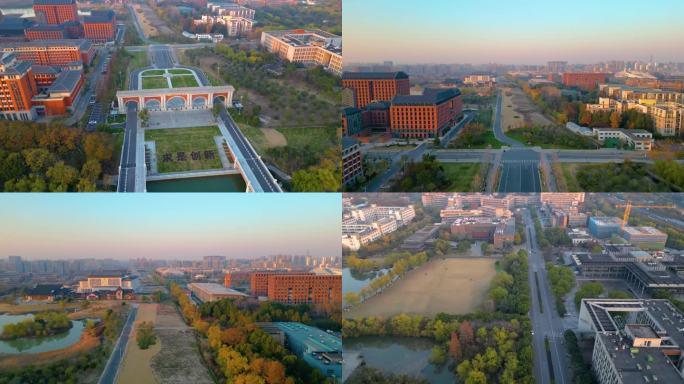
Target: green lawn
column 155, row 82
column 550, row 138
column 480, row 141
column 318, row 139
column 179, row 71
column 255, row 136
column 461, row 175
column 138, row 60
column 153, row 72
column 185, row 140
column 183, row 81
column 569, row 171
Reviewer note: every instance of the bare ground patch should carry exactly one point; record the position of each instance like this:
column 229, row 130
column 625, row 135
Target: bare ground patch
column 454, row 286
column 519, row 111
column 178, row 361
column 136, row 368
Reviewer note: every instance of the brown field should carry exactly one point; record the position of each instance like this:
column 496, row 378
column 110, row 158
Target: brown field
column 274, row 138
column 454, row 286
column 151, row 23
column 136, row 366
column 516, row 103
column 178, row 361
column 17, row 309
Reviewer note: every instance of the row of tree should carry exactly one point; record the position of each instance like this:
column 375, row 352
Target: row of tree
column 562, row 280
column 399, row 268
column 243, row 353
column 42, row 324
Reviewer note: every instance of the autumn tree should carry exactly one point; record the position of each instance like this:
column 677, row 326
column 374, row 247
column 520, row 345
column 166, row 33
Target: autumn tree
column 455, row 347
column 466, row 332
column 615, row 119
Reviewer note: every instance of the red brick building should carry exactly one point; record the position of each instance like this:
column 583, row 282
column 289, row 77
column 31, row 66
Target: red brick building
column 305, row 289
column 258, row 285
column 17, row 88
column 55, row 11
column 236, row 279
column 52, row 52
column 584, row 80
column 425, row 116
column 100, row 26
column 369, row 87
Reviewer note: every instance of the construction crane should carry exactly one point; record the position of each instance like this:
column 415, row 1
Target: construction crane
column 628, row 209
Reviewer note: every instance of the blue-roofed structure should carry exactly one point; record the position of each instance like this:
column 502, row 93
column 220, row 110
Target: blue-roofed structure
column 320, row 349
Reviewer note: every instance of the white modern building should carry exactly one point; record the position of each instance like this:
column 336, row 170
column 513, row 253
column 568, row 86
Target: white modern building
column 639, row 139
column 237, row 19
column 109, row 282
column 306, row 46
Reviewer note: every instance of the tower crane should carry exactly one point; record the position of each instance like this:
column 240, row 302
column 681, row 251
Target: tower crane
column 628, row 209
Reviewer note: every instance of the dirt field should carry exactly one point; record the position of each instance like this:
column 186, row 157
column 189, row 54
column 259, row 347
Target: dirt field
column 136, row 366
column 453, row 286
column 178, row 361
column 274, row 138
column 152, row 25
column 516, row 103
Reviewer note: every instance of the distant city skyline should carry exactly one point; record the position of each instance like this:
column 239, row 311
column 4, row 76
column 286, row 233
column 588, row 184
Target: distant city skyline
column 172, row 226
column 521, row 32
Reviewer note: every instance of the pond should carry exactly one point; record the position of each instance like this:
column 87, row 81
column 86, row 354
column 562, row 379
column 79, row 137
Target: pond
column 27, row 345
column 354, row 281
column 400, row 355
column 230, row 183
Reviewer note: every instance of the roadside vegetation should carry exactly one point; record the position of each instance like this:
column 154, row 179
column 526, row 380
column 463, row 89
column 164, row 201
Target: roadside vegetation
column 551, row 137
column 239, row 351
column 42, row 324
column 145, row 336
column 562, row 280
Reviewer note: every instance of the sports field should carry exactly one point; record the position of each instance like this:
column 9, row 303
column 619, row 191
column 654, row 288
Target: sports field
column 454, row 286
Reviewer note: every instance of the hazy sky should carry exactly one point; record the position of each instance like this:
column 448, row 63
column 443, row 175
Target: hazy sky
column 512, row 32
column 169, row 225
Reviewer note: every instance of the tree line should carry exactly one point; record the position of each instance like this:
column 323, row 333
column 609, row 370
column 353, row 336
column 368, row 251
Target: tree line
column 38, row 157
column 241, row 352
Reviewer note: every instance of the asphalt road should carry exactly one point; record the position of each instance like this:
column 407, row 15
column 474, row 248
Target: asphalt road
column 137, row 24
column 264, row 177
column 520, row 176
column 112, row 368
column 415, row 154
column 455, row 130
column 161, row 56
column 126, row 182
column 546, row 323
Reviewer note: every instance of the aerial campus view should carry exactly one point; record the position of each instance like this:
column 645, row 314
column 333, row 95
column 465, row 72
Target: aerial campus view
column 170, row 96
column 513, row 288
column 525, row 97
column 187, row 296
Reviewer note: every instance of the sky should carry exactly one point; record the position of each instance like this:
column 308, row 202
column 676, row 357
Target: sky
column 511, row 32
column 170, row 226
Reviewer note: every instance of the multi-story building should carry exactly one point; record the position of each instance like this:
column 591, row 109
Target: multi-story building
column 639, row 139
column 604, row 227
column 585, row 80
column 213, row 262
column 305, row 288
column 498, row 231
column 237, row 19
column 436, row 199
column 562, row 200
column 351, row 121
column 428, row 115
column 55, row 11
column 236, row 279
column 369, row 87
column 109, row 282
column 635, row 341
column 60, row 96
column 52, row 52
column 208, row 292
column 645, row 237
column 231, row 9
column 352, row 164
column 100, row 26
column 479, row 80
column 306, row 46
column 17, row 88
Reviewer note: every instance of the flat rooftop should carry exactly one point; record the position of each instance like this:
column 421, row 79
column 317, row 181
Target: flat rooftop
column 633, row 364
column 215, row 289
column 643, row 231
column 606, row 220
column 315, row 339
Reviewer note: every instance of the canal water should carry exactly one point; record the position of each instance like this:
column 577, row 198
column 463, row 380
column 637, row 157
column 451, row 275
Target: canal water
column 400, row 355
column 226, row 183
column 26, row 345
column 354, row 282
